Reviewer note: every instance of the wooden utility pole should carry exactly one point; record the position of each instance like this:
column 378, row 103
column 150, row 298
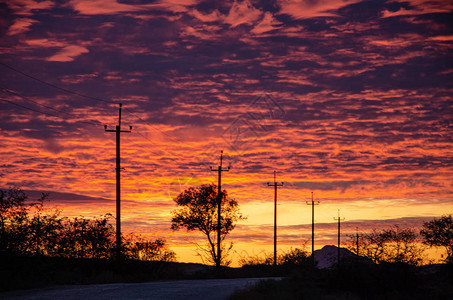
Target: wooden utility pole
column 219, row 208
column 275, row 184
column 339, row 221
column 357, row 240
column 118, row 130
column 312, row 203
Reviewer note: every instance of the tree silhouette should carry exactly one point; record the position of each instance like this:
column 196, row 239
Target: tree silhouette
column 394, row 245
column 13, row 220
column 439, row 232
column 19, row 231
column 138, row 248
column 27, row 227
column 198, row 211
column 87, row 238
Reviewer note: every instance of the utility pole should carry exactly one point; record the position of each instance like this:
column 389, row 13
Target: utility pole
column 219, row 206
column 118, row 183
column 339, row 220
column 275, row 185
column 357, row 240
column 312, row 203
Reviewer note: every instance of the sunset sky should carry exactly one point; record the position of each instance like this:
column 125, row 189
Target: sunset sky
column 349, row 99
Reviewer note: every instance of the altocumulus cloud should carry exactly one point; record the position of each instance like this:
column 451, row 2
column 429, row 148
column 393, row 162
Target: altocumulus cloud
column 68, row 53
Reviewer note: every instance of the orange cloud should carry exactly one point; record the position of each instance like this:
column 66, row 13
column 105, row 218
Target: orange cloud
column 311, row 9
column 242, row 13
column 99, row 7
column 268, row 23
column 68, row 53
column 20, row 25
column 420, row 7
column 360, row 111
column 28, row 7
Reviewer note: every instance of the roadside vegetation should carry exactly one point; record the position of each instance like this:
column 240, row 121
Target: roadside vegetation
column 28, row 228
column 39, row 247
column 357, row 281
column 391, row 245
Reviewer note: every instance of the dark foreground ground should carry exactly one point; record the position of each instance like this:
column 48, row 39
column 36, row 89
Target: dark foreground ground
column 45, row 277
column 349, row 282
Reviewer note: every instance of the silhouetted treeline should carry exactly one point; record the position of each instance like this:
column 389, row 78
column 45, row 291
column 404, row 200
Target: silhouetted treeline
column 392, row 245
column 26, row 227
column 294, row 257
column 405, row 245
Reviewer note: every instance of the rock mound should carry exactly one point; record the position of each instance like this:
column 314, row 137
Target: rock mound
column 327, row 257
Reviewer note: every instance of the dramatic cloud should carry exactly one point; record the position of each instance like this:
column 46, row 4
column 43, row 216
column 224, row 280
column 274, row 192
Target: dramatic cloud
column 350, row 100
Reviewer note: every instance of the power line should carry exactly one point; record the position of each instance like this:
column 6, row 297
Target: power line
column 32, row 109
column 88, row 97
column 95, row 123
column 84, row 96
column 55, row 86
column 54, row 115
column 7, row 91
column 147, row 123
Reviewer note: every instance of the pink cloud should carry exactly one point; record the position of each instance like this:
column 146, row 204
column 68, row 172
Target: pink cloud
column 26, row 7
column 44, row 43
column 99, row 7
column 203, row 31
column 20, row 25
column 420, row 7
column 176, row 6
column 242, row 13
column 212, row 17
column 310, row 9
column 74, row 79
column 68, row 53
column 268, row 23
column 442, row 38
